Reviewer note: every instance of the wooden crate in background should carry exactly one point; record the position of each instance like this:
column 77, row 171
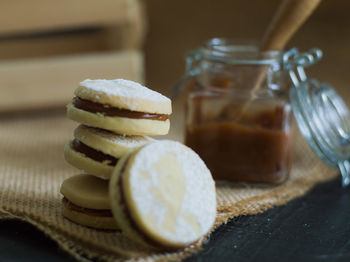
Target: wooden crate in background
column 47, row 47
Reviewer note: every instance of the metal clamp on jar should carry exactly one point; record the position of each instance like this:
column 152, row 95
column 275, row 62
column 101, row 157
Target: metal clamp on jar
column 321, row 114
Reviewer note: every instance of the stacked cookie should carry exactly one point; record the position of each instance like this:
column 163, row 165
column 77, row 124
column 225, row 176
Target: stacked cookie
column 162, row 195
column 116, row 116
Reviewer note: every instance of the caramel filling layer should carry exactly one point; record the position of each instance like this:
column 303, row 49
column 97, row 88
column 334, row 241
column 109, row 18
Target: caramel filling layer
column 106, row 110
column 88, row 211
column 93, row 153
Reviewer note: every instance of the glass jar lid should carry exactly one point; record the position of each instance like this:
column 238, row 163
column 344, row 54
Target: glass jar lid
column 321, row 114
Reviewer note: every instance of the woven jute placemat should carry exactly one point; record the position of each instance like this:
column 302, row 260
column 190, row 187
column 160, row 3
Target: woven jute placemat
column 32, row 169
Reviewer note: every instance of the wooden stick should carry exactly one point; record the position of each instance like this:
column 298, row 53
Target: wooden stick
column 290, row 15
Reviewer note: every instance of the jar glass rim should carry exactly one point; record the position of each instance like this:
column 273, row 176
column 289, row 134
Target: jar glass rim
column 239, row 51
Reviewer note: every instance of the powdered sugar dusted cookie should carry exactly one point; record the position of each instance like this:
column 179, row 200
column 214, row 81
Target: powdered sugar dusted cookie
column 86, row 202
column 97, row 151
column 122, row 106
column 163, row 194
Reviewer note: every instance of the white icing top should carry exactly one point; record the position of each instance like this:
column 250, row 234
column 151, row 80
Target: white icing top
column 126, row 141
column 170, row 193
column 108, row 142
column 123, row 88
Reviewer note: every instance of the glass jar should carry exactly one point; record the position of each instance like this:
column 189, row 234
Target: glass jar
column 238, row 116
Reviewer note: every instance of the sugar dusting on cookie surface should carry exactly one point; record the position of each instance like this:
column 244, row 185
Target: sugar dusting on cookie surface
column 171, row 193
column 122, row 140
column 123, row 88
column 124, row 94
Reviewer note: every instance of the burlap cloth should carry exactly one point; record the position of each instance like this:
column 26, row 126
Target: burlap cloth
column 32, row 169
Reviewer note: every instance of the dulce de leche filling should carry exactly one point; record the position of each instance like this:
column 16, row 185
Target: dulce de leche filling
column 106, row 110
column 256, row 148
column 93, row 153
column 93, row 212
column 126, row 210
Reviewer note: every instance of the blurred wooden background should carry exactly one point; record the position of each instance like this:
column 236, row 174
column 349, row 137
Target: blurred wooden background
column 47, row 47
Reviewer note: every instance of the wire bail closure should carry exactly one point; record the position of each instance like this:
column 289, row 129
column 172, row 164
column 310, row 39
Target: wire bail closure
column 320, row 112
column 295, row 63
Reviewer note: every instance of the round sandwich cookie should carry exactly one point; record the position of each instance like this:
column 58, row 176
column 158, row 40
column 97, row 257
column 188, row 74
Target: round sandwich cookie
column 96, row 151
column 163, row 195
column 122, row 106
column 86, row 202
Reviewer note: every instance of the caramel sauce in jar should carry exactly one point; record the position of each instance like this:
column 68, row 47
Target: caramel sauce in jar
column 255, row 148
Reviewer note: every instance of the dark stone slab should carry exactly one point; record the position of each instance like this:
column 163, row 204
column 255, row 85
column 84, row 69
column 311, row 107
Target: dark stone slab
column 20, row 241
column 315, row 227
